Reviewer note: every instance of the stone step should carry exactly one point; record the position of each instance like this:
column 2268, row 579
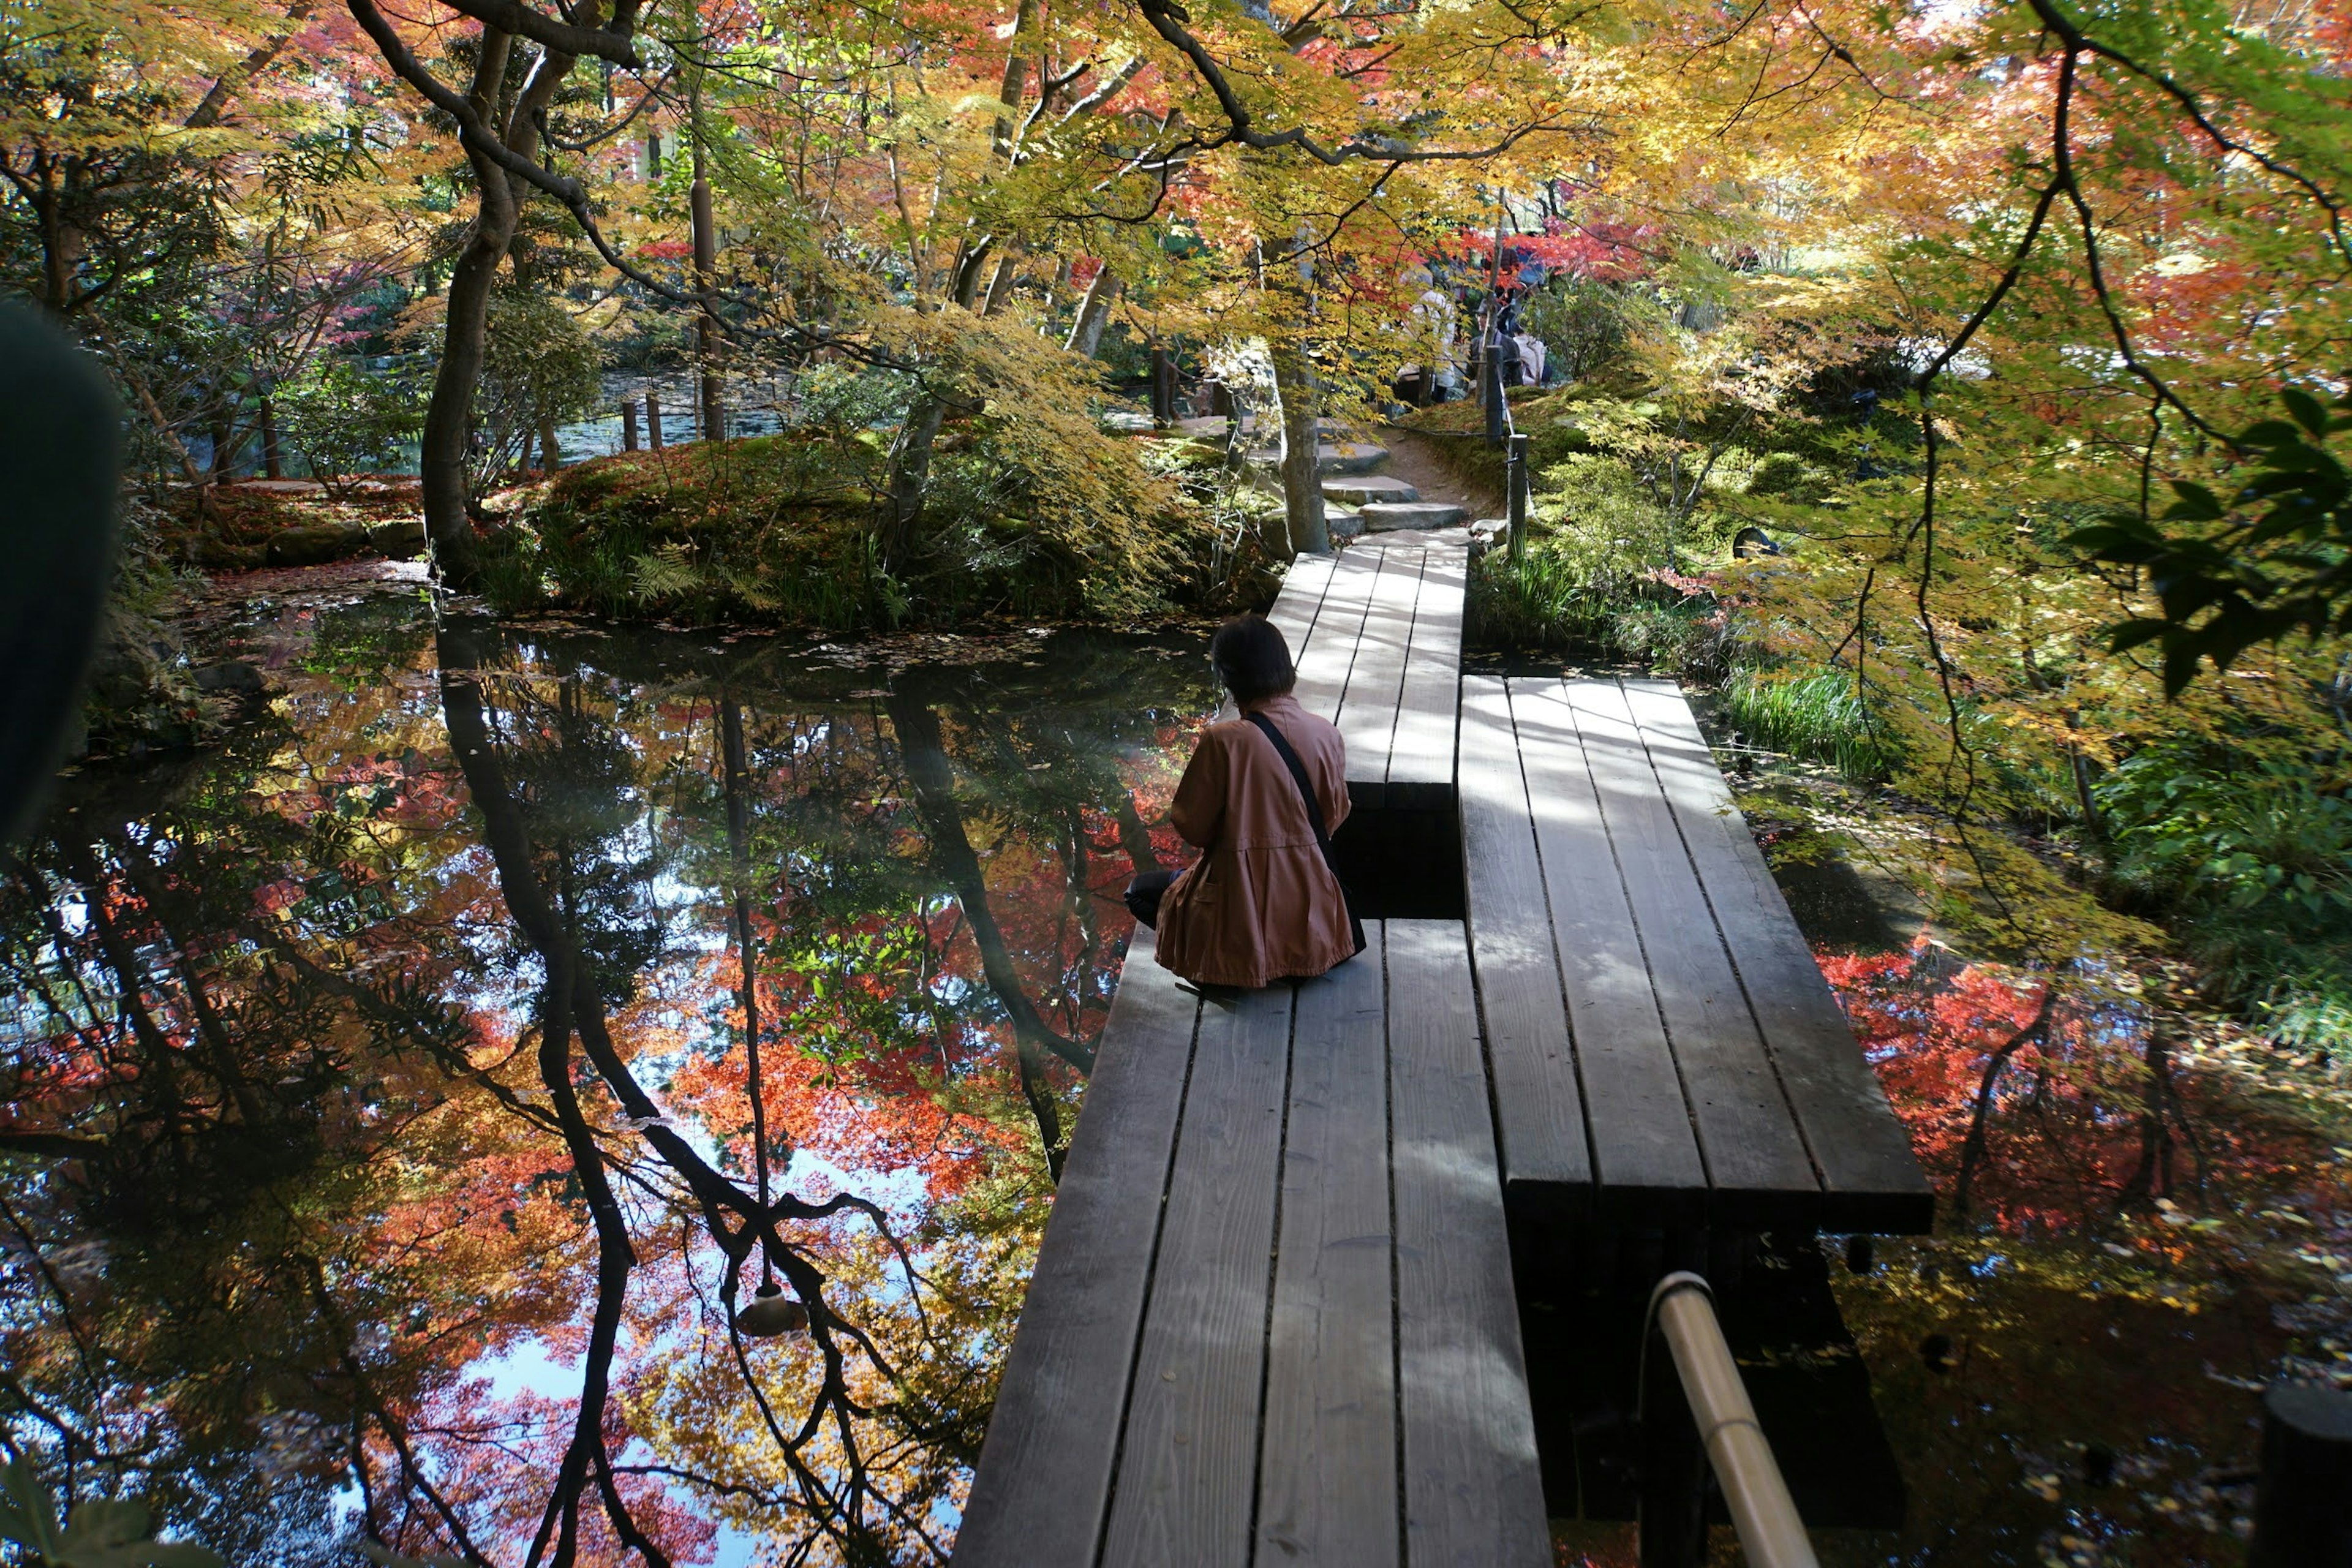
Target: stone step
column 1369, row 489
column 1390, row 517
column 1332, row 458
column 1349, row 458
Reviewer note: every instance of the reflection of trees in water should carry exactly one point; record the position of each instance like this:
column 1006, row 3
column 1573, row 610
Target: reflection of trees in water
column 405, row 1040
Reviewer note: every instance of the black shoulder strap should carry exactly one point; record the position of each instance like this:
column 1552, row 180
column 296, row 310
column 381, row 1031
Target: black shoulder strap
column 1314, row 817
column 1297, row 776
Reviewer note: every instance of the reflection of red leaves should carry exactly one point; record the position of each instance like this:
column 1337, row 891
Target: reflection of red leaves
column 2064, row 1130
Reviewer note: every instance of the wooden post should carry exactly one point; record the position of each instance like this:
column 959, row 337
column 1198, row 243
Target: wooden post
column 1515, row 469
column 2303, row 1504
column 1163, row 388
column 1671, row 1507
column 628, row 424
column 653, row 420
column 1490, row 381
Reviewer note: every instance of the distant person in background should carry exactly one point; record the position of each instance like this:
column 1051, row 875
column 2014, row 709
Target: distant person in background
column 1532, row 359
column 1440, row 354
column 1260, row 799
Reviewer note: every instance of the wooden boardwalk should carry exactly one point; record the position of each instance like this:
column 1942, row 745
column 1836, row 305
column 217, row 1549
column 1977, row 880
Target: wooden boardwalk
column 1377, row 634
column 1274, row 1319
column 1664, row 1049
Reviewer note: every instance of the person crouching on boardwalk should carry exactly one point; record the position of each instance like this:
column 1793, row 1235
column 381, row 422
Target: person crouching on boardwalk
column 1260, row 799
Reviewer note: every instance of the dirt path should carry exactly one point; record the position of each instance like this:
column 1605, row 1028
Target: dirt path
column 1411, row 459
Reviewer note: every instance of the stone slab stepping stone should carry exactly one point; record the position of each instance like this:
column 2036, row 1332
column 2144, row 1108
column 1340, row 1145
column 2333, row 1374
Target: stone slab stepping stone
column 1363, row 488
column 1390, row 517
column 1211, row 425
column 1331, row 457
column 1349, row 458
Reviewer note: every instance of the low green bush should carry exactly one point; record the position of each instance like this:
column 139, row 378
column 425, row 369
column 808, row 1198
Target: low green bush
column 782, row 529
column 2253, row 853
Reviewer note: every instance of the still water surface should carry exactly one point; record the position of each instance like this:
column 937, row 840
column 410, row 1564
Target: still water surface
column 409, row 1035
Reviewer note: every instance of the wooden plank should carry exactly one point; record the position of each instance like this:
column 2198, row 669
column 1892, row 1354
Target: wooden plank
column 1330, row 651
column 1473, row 1493
column 1044, row 1475
column 1296, row 609
column 1301, row 600
column 1538, row 1101
column 1870, row 1178
column 1328, row 1491
column 1645, row 1158
column 1188, row 1459
column 1758, row 1171
column 1427, row 706
column 1368, row 711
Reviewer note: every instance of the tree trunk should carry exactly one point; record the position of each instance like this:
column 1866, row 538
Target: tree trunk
column 224, row 437
column 705, row 324
column 1094, row 312
column 1302, row 476
column 1000, row 287
column 273, row 461
column 910, row 454
column 551, row 454
column 910, row 476
column 449, row 416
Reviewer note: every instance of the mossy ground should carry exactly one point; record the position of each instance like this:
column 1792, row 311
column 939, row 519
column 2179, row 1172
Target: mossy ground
column 233, row 533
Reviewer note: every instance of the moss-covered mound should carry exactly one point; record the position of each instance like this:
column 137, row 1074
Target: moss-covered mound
column 786, row 529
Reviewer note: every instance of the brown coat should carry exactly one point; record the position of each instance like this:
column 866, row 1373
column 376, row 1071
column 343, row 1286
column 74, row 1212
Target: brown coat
column 1260, row 905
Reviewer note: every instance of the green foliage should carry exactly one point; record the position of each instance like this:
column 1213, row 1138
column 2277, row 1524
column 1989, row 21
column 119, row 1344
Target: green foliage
column 538, row 367
column 769, row 527
column 346, row 419
column 845, row 398
column 2256, row 852
column 2273, row 560
column 1587, row 326
column 781, row 529
column 1547, row 600
column 101, row 1534
column 1816, row 714
column 1788, row 477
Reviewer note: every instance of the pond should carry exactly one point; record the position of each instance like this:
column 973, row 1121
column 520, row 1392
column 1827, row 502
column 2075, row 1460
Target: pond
column 381, row 1150
column 407, row 1048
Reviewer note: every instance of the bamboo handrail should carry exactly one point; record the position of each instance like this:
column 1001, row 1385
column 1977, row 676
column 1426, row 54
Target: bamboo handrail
column 1682, row 1312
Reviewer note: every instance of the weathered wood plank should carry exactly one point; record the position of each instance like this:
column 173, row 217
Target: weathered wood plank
column 1328, row 1491
column 1422, row 750
column 1538, row 1101
column 1870, row 1178
column 1301, row 600
column 1188, row 1458
column 1758, row 1171
column 1330, row 650
column 1645, row 1158
column 1368, row 711
column 1044, row 1475
column 1474, row 1497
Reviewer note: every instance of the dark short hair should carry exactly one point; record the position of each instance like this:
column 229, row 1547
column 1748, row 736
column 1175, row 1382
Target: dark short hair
column 1251, row 659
